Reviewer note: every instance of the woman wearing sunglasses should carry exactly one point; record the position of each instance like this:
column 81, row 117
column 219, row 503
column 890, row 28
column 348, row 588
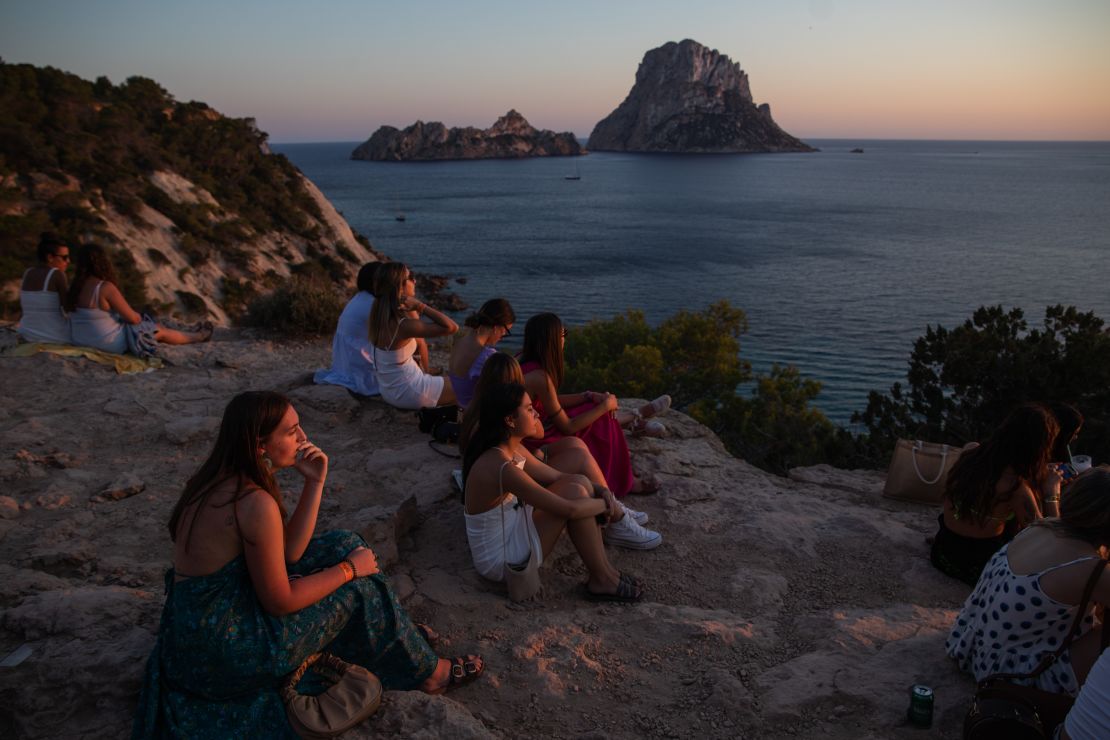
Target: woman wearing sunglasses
column 397, row 322
column 485, row 328
column 42, row 293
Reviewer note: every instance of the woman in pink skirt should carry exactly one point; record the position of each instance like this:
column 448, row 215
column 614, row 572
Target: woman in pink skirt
column 589, row 416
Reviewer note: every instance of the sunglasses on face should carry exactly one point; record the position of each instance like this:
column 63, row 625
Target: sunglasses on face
column 508, row 331
column 565, row 332
column 62, row 257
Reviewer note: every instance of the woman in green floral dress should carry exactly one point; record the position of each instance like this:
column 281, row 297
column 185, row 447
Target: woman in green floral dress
column 252, row 593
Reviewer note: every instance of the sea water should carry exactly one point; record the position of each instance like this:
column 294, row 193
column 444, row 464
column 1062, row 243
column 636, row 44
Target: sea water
column 839, row 259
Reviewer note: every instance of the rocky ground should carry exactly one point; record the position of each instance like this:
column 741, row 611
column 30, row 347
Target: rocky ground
column 801, row 607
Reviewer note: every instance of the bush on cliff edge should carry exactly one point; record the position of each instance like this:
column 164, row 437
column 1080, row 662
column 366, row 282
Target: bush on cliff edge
column 695, row 356
column 962, row 382
column 301, row 306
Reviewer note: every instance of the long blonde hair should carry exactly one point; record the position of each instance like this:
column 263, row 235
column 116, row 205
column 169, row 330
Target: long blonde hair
column 389, row 284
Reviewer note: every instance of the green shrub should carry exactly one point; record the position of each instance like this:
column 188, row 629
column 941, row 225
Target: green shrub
column 695, row 356
column 237, row 296
column 776, row 429
column 300, row 306
column 691, row 355
column 962, row 382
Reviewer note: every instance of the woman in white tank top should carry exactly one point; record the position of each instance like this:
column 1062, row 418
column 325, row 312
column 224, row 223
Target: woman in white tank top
column 102, row 317
column 41, row 293
column 397, row 332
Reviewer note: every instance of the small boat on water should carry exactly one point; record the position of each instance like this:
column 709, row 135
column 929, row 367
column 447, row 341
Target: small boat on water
column 576, row 175
column 400, row 217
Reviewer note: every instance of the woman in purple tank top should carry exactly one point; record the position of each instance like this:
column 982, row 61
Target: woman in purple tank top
column 488, row 326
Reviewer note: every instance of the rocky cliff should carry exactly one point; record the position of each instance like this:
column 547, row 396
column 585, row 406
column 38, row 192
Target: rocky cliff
column 197, row 211
column 511, row 137
column 689, row 98
column 776, row 608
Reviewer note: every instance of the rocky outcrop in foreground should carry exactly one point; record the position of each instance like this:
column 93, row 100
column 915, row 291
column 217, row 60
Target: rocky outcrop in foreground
column 511, row 137
column 692, row 99
column 775, row 608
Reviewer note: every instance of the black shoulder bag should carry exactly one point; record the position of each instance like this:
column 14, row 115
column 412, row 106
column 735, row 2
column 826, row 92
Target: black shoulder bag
column 1003, row 710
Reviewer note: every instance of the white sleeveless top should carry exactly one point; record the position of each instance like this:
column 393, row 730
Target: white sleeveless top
column 491, row 546
column 401, row 382
column 97, row 328
column 43, row 319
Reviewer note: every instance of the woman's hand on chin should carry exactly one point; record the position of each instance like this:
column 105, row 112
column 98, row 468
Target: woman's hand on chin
column 311, row 462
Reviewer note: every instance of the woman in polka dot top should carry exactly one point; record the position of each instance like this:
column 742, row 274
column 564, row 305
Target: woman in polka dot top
column 1027, row 596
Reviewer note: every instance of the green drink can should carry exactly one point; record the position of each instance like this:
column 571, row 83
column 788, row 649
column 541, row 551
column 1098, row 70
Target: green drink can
column 920, row 713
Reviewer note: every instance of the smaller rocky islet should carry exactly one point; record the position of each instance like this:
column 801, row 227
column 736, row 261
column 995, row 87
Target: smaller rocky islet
column 510, row 137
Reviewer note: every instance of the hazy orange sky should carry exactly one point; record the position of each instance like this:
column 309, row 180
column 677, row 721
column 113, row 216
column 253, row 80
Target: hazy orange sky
column 335, row 71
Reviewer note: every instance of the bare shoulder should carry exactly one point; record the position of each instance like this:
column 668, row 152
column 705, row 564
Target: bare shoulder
column 58, row 282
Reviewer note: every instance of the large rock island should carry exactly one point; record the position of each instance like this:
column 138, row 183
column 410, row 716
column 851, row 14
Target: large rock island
column 511, row 137
column 691, row 99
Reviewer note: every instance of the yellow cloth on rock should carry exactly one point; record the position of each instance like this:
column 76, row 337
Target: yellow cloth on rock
column 124, row 364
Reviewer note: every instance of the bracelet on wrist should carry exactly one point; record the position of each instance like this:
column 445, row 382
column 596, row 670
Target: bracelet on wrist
column 347, row 570
column 354, row 570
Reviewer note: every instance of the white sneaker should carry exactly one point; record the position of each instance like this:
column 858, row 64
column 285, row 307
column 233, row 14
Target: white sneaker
column 641, row 517
column 629, row 534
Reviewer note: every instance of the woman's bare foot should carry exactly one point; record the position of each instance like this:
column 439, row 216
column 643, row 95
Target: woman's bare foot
column 452, row 673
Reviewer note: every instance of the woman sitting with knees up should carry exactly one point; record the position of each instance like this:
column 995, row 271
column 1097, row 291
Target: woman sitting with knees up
column 589, row 416
column 566, row 455
column 396, row 327
column 253, row 592
column 102, row 318
column 1028, row 595
column 516, row 507
column 42, row 294
column 995, row 490
column 485, row 328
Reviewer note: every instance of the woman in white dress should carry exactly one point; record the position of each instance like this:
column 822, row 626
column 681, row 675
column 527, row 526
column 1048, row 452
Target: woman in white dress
column 395, row 328
column 41, row 293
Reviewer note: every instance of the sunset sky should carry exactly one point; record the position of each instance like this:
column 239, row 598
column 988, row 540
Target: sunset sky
column 335, row 71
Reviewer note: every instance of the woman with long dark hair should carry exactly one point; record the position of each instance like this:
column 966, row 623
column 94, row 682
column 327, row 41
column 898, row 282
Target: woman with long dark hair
column 995, row 490
column 566, row 455
column 516, row 507
column 41, row 294
column 589, row 416
column 485, row 328
column 1028, row 595
column 395, row 329
column 253, row 593
column 103, row 319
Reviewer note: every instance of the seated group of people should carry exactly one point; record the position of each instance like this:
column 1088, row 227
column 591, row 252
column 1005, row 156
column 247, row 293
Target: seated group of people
column 1025, row 531
column 574, row 448
column 253, row 592
column 90, row 312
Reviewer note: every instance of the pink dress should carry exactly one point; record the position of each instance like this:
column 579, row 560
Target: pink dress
column 604, row 438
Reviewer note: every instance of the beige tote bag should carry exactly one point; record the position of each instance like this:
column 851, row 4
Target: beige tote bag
column 918, row 471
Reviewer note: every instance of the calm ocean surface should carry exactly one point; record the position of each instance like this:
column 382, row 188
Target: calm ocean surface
column 840, row 260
